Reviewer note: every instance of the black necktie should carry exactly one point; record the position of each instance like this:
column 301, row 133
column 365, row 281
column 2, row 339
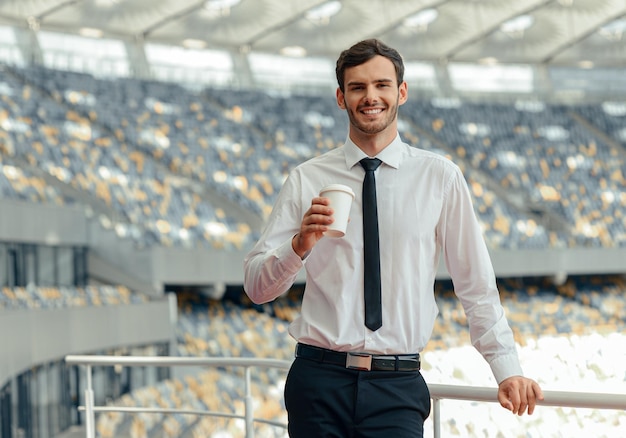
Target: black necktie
column 371, row 250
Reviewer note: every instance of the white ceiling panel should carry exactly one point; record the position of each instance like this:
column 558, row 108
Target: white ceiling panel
column 562, row 31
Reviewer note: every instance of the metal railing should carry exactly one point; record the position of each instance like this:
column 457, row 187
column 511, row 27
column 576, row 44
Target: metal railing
column 438, row 392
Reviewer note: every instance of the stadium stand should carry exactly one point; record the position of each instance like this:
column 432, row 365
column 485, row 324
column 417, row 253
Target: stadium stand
column 541, row 151
column 148, row 145
column 156, row 206
column 39, row 297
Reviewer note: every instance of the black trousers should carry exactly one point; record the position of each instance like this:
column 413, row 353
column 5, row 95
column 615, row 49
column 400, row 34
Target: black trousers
column 330, row 401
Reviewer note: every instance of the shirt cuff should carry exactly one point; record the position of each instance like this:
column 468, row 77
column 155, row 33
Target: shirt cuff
column 291, row 261
column 506, row 366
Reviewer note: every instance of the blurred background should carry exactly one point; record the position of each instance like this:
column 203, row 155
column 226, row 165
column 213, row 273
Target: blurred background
column 143, row 144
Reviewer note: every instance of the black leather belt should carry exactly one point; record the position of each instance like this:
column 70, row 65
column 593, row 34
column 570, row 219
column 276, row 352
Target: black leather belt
column 360, row 361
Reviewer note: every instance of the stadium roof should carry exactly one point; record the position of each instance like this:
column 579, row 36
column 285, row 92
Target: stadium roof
column 581, row 33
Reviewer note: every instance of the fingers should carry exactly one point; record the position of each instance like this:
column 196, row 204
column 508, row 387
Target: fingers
column 530, row 392
column 519, row 394
column 535, row 394
column 314, row 223
column 318, row 216
column 523, row 402
column 505, row 402
column 511, row 397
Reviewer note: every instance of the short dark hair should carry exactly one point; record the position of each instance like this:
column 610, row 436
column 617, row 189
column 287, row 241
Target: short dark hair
column 362, row 52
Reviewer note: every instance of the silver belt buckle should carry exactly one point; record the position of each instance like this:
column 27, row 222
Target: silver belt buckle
column 359, row 361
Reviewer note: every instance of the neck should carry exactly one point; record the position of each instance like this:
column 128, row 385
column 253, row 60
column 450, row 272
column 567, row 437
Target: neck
column 372, row 144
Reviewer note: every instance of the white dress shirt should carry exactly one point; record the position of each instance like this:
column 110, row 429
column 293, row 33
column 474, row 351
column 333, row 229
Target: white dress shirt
column 424, row 210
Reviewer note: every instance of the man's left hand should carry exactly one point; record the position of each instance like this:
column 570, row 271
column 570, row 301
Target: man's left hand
column 517, row 393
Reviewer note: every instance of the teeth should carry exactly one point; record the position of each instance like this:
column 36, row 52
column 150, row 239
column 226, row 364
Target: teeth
column 374, row 111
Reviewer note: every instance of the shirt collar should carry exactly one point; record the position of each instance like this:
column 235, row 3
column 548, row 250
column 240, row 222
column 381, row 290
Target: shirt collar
column 390, row 155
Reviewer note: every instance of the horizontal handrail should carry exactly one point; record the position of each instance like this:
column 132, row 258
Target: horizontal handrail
column 438, row 392
column 167, row 361
column 568, row 399
column 142, row 410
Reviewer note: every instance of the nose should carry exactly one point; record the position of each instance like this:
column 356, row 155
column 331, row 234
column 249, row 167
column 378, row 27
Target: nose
column 371, row 96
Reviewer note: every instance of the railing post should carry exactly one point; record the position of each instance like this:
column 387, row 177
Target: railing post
column 436, row 418
column 90, row 418
column 249, row 406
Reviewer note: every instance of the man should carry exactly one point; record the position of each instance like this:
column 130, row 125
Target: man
column 349, row 379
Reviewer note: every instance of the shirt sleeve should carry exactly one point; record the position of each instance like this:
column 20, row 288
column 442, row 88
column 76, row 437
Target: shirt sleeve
column 271, row 267
column 469, row 264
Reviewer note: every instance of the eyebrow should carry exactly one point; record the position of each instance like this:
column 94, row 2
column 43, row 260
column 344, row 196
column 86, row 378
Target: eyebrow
column 378, row 81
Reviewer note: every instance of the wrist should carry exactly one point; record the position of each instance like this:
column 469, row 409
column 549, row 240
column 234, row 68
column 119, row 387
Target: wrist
column 295, row 245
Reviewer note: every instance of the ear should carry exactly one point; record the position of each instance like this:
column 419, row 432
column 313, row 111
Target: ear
column 403, row 92
column 341, row 100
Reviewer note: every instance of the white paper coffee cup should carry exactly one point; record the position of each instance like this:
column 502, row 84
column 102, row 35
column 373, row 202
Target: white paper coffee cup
column 341, row 198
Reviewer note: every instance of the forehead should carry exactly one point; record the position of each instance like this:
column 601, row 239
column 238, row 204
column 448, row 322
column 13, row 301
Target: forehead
column 376, row 69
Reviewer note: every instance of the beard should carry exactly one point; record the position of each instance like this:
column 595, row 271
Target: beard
column 374, row 127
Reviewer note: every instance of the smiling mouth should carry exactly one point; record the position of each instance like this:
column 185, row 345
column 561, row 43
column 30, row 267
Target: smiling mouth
column 372, row 112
